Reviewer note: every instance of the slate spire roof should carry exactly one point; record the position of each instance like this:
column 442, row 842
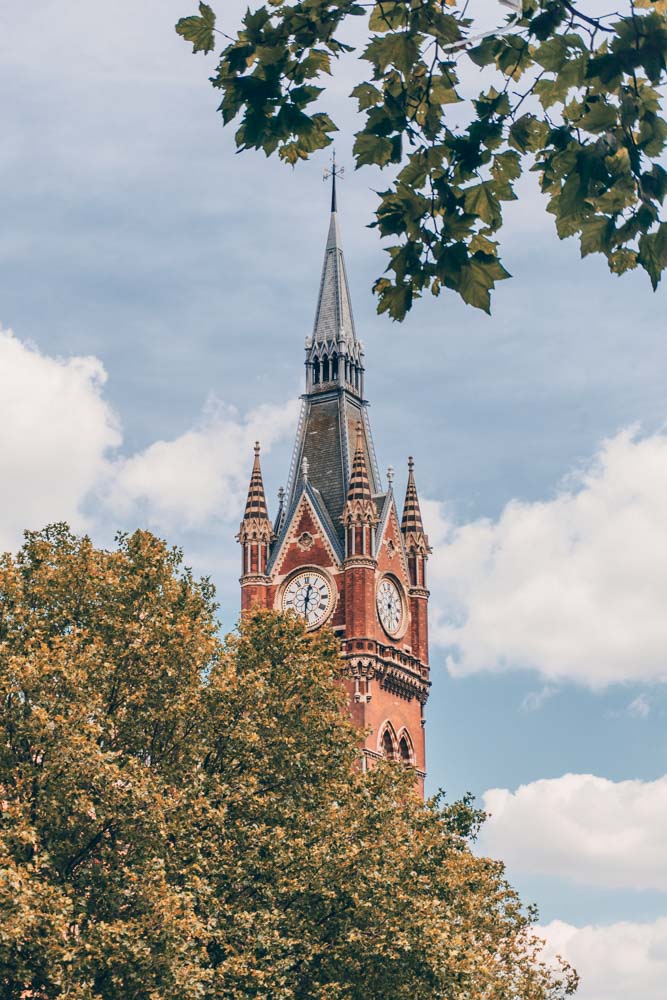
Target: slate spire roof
column 412, row 526
column 333, row 403
column 333, row 317
column 256, row 502
column 360, row 487
column 412, row 515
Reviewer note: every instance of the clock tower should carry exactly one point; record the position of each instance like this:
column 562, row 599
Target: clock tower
column 337, row 553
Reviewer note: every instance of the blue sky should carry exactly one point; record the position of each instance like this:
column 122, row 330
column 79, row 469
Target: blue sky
column 159, row 289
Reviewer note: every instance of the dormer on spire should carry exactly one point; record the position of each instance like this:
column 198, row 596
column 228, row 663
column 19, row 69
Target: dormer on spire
column 255, row 533
column 412, row 529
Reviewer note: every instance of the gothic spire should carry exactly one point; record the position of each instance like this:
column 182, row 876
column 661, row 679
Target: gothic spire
column 359, row 507
column 412, row 525
column 256, row 503
column 360, row 487
column 333, row 319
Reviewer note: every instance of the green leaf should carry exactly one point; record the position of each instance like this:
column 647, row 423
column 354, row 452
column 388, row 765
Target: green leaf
column 400, row 50
column 599, row 118
column 393, row 299
column 506, row 166
column 388, row 15
column 653, row 253
column 595, row 234
column 478, row 277
column 621, row 261
column 367, row 95
column 199, row 29
column 480, row 201
column 528, row 134
column 372, row 149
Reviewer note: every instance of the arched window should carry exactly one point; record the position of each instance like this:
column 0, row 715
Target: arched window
column 325, row 370
column 316, row 371
column 334, row 367
column 388, row 745
column 356, row 377
column 405, row 751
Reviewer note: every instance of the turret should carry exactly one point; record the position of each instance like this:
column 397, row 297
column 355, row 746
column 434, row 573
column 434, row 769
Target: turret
column 359, row 513
column 359, row 520
column 255, row 536
column 417, row 550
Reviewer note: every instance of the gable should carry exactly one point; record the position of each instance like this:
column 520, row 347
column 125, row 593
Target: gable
column 305, row 541
column 390, row 552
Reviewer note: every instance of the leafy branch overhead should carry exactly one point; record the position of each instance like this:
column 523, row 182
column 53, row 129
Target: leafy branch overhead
column 575, row 97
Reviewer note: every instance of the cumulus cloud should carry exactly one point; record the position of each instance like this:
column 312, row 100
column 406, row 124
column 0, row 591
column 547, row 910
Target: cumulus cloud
column 60, row 453
column 57, row 431
column 583, row 829
column 615, row 962
column 204, row 473
column 573, row 587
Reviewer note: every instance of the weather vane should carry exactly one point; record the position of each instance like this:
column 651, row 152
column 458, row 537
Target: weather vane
column 333, row 171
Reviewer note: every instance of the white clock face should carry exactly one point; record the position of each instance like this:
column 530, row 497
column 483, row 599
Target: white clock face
column 390, row 606
column 309, row 595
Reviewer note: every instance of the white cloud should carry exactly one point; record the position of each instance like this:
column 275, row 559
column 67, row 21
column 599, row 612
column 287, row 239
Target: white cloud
column 59, row 453
column 57, row 430
column 204, row 473
column 534, row 700
column 573, row 587
column 582, row 829
column 616, row 962
column 639, row 707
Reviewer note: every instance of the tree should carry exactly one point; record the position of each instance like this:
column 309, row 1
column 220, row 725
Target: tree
column 184, row 817
column 573, row 96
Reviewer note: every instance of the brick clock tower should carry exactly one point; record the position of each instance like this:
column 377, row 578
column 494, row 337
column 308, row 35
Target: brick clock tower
column 337, row 553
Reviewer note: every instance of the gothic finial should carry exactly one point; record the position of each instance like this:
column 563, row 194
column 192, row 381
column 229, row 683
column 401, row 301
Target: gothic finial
column 281, row 496
column 256, row 447
column 390, row 476
column 360, row 436
column 411, row 463
column 304, row 469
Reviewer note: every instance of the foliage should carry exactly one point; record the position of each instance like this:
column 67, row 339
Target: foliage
column 182, row 817
column 575, row 97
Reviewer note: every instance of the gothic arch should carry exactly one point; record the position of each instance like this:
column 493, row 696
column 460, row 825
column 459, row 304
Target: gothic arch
column 406, row 750
column 387, row 743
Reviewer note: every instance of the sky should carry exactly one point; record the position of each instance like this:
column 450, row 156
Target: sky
column 155, row 293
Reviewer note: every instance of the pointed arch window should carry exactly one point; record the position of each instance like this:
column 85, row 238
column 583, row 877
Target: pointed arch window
column 316, row 371
column 325, row 369
column 388, row 744
column 405, row 751
column 334, row 367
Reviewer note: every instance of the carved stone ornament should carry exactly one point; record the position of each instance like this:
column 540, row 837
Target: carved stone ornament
column 305, row 540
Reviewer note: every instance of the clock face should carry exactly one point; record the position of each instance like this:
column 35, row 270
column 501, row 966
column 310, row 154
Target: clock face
column 309, row 595
column 390, row 606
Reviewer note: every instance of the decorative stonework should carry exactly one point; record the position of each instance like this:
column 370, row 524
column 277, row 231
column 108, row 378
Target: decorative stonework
column 305, row 541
